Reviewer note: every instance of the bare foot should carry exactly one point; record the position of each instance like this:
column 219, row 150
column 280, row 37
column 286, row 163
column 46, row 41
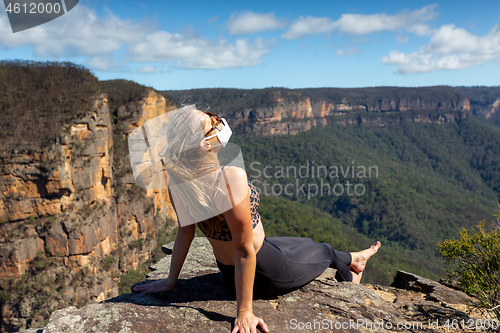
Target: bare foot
column 359, row 259
column 356, row 277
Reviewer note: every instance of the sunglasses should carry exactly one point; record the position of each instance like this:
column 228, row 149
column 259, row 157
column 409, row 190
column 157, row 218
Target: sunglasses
column 216, row 121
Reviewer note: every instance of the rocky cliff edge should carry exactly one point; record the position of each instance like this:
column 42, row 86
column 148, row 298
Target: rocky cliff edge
column 200, row 303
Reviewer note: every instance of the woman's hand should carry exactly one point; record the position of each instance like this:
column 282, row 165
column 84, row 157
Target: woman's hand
column 247, row 323
column 158, row 286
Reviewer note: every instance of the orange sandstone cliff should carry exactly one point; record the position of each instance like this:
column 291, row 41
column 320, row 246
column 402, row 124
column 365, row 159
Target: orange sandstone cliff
column 73, row 219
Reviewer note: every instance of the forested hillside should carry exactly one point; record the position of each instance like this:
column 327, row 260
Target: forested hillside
column 432, row 180
column 39, row 100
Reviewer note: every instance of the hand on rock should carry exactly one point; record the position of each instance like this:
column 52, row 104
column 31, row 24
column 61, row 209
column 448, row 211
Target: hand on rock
column 158, row 286
column 248, row 323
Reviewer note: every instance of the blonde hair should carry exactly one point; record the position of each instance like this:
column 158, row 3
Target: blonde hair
column 183, row 159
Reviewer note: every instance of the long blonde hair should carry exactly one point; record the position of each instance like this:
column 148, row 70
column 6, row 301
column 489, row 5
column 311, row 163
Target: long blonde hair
column 183, row 159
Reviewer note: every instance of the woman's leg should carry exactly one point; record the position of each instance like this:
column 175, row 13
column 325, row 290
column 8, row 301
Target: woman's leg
column 356, row 260
column 298, row 261
column 306, row 252
column 286, row 242
column 281, row 270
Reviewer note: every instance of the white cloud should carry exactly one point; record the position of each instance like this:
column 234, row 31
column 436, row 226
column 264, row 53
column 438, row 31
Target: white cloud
column 105, row 63
column 308, row 25
column 412, row 21
column 146, row 70
column 345, row 53
column 359, row 24
column 78, row 33
column 420, row 30
column 249, row 22
column 450, row 48
column 82, row 33
column 196, row 52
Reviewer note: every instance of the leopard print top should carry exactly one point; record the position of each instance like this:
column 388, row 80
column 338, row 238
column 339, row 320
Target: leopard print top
column 225, row 234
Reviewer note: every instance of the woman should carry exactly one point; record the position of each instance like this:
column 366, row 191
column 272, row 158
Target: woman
column 224, row 205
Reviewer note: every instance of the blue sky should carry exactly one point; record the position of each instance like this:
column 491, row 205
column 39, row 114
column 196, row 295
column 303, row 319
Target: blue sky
column 257, row 44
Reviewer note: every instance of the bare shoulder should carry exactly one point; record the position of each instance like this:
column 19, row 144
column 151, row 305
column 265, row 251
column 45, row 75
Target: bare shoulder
column 235, row 173
column 237, row 180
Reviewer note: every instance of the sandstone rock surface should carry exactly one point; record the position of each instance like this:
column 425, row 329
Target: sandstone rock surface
column 200, row 303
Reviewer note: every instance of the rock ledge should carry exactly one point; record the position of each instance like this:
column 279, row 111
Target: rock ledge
column 200, row 303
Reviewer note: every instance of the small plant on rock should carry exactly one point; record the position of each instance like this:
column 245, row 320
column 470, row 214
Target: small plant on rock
column 476, row 257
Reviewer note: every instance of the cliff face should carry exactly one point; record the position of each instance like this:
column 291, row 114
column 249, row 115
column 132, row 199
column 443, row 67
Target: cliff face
column 46, row 182
column 60, row 179
column 200, row 303
column 290, row 116
column 129, row 117
column 417, row 104
column 495, row 108
column 484, row 102
column 489, row 111
column 282, row 112
column 73, row 211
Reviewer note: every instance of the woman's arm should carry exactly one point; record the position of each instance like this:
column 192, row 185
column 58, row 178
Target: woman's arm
column 239, row 222
column 182, row 243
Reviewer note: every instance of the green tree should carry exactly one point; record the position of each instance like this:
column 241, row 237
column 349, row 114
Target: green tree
column 476, row 257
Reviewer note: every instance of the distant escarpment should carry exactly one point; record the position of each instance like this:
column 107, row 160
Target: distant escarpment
column 284, row 111
column 484, row 102
column 73, row 220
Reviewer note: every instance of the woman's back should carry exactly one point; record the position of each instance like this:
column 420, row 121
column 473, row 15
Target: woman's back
column 221, row 238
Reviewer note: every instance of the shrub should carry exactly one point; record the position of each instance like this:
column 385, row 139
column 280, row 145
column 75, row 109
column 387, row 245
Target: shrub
column 138, row 243
column 108, row 262
column 476, row 257
column 80, row 304
column 4, row 296
column 40, row 262
column 130, row 278
column 61, row 288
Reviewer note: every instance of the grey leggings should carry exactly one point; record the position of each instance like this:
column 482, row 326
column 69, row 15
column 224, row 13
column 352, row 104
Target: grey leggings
column 285, row 264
